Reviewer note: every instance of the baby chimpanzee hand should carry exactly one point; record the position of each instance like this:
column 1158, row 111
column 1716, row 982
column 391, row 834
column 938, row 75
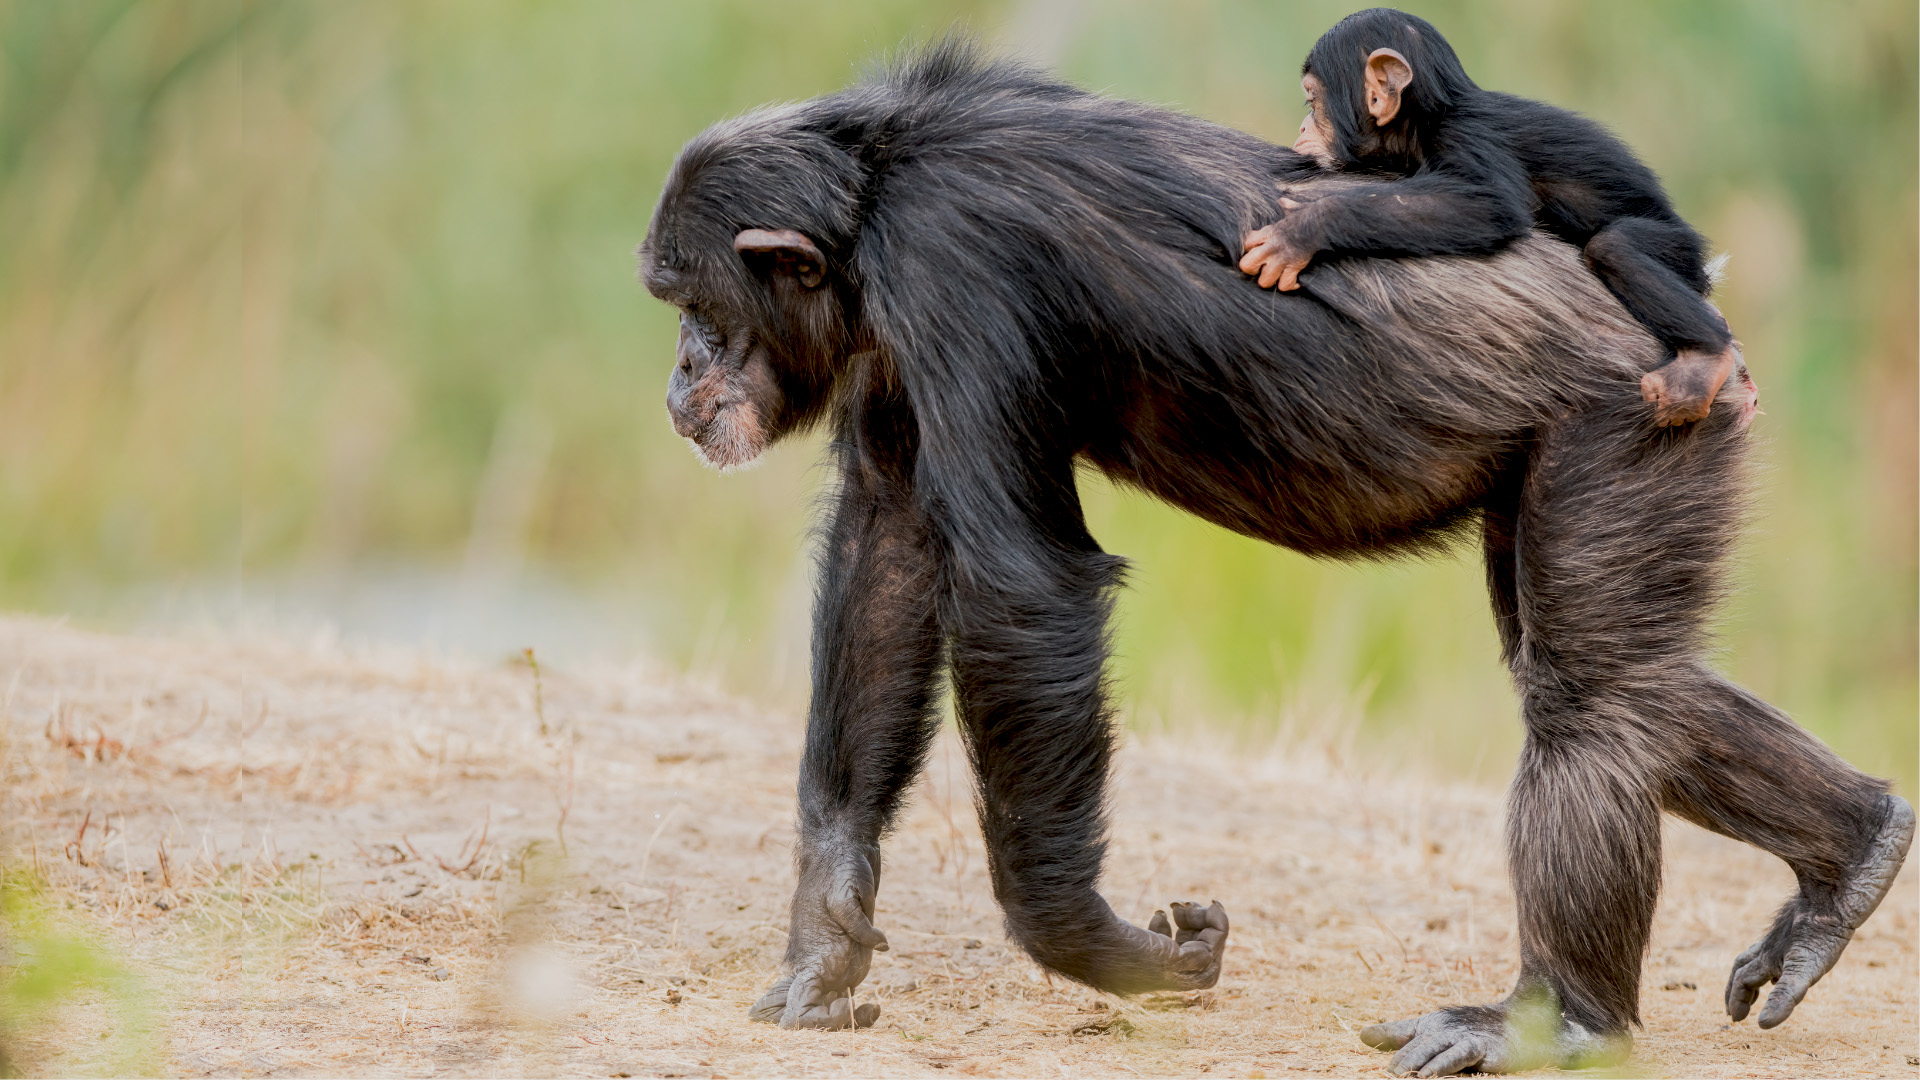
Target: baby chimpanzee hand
column 1275, row 253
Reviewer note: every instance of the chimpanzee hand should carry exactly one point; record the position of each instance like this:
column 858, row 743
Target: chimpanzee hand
column 1278, row 252
column 830, row 942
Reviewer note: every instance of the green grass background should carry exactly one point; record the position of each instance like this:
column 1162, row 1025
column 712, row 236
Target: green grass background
column 330, row 288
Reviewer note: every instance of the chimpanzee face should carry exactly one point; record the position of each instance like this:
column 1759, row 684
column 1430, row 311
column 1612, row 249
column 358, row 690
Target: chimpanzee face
column 1316, row 131
column 747, row 368
column 724, row 396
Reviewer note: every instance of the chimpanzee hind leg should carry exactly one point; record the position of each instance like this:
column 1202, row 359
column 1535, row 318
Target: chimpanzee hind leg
column 1756, row 776
column 1655, row 269
column 1616, row 549
column 1027, row 654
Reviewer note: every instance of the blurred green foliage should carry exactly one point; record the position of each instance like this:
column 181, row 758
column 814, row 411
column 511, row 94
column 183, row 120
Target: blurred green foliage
column 317, row 285
column 57, row 988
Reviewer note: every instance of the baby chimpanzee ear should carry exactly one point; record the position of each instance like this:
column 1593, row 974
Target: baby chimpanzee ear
column 1388, row 73
column 786, row 251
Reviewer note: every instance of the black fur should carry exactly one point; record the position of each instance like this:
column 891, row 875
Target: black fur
column 1485, row 167
column 1024, row 277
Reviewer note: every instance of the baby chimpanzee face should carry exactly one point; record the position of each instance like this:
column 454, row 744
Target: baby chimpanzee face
column 1316, row 132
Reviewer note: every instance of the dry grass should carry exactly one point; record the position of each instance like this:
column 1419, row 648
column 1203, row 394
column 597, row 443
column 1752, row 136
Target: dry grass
column 328, row 862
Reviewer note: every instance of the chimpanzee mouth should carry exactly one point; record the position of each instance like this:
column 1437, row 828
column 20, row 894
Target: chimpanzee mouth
column 731, row 441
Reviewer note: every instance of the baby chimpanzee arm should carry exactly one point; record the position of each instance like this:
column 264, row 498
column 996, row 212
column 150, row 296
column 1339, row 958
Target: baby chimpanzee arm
column 1435, row 214
column 1430, row 214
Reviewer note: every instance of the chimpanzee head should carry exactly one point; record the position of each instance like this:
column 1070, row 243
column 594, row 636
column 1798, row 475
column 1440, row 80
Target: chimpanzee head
column 1377, row 83
column 749, row 241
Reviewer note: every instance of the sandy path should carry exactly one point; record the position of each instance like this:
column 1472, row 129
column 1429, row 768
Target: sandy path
column 318, row 914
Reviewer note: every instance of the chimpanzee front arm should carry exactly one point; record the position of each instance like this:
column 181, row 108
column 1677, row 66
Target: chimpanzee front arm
column 876, row 659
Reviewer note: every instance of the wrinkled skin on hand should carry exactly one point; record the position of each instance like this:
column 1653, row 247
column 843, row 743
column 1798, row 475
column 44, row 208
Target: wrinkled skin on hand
column 830, row 941
column 1278, row 253
column 1524, row 1031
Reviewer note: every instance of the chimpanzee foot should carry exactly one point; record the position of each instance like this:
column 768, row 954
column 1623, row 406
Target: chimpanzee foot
column 1808, row 937
column 1682, row 389
column 1190, row 948
column 1511, row 1036
column 830, row 942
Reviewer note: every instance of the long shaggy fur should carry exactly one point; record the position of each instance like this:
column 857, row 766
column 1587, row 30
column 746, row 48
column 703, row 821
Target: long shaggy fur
column 1024, row 277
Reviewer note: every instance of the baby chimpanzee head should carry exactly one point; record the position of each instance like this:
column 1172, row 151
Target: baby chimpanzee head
column 1377, row 83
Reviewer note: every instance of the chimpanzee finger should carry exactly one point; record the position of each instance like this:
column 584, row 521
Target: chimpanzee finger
column 1391, row 1035
column 1158, row 924
column 1209, row 937
column 807, row 1004
column 1803, row 966
column 767, row 1010
column 1196, row 956
column 1753, row 969
column 840, row 1014
column 1413, row 1056
column 1290, row 276
column 1196, row 917
column 830, row 1016
column 854, row 921
column 1217, row 916
column 1463, row 1055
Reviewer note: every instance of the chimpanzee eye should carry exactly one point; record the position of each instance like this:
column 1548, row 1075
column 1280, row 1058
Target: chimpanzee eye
column 704, row 327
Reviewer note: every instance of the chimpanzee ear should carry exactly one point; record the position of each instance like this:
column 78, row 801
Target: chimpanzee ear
column 786, row 251
column 1388, row 73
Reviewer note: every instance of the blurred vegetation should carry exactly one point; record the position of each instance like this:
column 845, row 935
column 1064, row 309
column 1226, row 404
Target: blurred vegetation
column 58, row 988
column 308, row 288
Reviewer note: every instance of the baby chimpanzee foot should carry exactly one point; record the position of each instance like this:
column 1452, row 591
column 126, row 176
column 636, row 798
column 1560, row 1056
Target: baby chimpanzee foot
column 1523, row 1032
column 1682, row 389
column 1811, row 932
column 1198, row 945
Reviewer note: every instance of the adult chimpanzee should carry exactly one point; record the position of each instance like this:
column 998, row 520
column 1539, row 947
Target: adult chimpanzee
column 979, row 278
column 1387, row 95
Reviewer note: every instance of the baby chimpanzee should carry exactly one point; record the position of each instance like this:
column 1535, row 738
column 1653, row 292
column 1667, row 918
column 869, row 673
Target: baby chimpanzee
column 1389, row 97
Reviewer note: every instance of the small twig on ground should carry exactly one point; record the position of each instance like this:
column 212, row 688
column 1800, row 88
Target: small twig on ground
column 154, row 744
column 657, row 830
column 486, row 825
column 539, row 703
column 1404, row 958
column 566, row 798
column 75, row 849
column 471, row 857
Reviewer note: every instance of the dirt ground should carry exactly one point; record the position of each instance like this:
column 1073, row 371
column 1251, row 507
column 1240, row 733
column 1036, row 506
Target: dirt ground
column 322, row 861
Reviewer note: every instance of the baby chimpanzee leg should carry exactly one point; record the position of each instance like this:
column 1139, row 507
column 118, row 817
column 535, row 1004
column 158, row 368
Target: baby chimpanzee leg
column 1654, row 267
